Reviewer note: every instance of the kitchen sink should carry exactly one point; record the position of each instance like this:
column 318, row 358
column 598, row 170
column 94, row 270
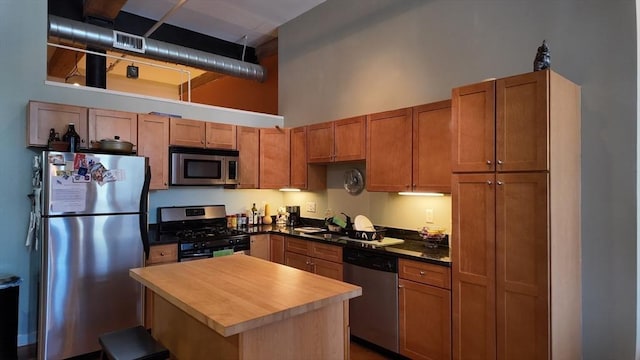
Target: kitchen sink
column 329, row 235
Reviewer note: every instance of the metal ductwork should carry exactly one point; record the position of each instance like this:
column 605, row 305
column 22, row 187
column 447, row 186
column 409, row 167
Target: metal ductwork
column 96, row 36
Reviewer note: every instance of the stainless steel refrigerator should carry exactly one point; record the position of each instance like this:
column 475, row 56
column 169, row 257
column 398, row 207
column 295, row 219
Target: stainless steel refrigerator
column 93, row 230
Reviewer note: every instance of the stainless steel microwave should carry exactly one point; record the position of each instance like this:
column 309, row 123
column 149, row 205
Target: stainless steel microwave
column 203, row 167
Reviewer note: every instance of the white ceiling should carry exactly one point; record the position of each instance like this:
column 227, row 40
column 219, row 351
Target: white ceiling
column 229, row 20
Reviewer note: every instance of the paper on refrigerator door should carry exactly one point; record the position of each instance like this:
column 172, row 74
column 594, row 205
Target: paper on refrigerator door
column 67, row 195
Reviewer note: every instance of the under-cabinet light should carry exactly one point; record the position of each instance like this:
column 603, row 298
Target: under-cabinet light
column 289, row 189
column 411, row 193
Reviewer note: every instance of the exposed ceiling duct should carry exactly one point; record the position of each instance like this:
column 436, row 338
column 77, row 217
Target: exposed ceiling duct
column 88, row 34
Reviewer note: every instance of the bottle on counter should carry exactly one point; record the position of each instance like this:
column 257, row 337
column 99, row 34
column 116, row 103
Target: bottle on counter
column 254, row 214
column 72, row 137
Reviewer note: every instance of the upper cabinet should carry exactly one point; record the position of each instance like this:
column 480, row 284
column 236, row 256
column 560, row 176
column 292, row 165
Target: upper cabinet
column 248, row 141
column 274, row 158
column 42, row 117
column 107, row 124
column 410, row 149
column 221, row 136
column 340, row 140
column 389, row 150
column 432, row 147
column 304, row 176
column 153, row 142
column 202, row 134
column 515, row 109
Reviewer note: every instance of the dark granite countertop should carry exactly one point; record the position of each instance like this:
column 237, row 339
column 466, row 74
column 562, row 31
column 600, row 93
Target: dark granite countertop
column 413, row 247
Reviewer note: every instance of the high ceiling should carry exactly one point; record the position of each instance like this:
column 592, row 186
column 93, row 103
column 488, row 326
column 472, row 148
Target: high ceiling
column 231, row 28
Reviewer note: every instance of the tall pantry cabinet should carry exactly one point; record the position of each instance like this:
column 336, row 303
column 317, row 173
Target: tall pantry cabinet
column 516, row 219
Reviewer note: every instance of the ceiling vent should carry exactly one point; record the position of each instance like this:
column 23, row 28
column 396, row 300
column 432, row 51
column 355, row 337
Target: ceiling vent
column 107, row 39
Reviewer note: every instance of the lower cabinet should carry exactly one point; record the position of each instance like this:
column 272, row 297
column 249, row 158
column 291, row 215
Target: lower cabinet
column 315, row 257
column 158, row 254
column 259, row 246
column 277, row 248
column 424, row 310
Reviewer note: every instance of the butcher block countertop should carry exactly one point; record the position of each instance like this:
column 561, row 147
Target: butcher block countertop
column 236, row 293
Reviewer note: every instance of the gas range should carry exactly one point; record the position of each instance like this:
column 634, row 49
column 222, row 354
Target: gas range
column 200, row 231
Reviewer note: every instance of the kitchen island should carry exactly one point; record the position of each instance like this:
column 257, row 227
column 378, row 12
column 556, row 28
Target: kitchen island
column 241, row 307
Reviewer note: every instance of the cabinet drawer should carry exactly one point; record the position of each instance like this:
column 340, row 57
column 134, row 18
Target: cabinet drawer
column 425, row 273
column 159, row 254
column 297, row 246
column 326, row 252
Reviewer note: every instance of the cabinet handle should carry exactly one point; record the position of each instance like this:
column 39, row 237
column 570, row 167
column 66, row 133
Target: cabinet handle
column 421, row 273
column 201, row 142
column 499, row 183
column 489, row 182
column 499, row 162
column 488, row 162
column 414, row 186
column 400, row 286
column 161, row 253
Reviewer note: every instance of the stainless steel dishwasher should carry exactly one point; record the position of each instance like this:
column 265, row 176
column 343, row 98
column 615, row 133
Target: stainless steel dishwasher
column 374, row 315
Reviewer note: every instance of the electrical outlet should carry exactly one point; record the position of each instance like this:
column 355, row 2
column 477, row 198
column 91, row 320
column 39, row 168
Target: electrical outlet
column 430, row 216
column 311, row 207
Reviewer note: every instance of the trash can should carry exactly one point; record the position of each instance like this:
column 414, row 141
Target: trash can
column 9, row 290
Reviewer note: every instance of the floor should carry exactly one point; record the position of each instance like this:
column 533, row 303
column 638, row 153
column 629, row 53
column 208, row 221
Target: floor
column 358, row 352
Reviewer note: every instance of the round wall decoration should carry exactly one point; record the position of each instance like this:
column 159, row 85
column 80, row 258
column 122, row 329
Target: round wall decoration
column 353, row 181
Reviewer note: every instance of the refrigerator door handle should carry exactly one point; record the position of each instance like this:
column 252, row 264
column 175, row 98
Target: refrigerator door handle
column 144, row 200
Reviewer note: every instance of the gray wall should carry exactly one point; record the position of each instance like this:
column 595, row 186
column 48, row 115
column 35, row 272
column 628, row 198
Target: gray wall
column 23, row 32
column 354, row 57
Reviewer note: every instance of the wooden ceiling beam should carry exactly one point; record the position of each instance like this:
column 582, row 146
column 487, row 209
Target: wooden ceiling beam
column 105, row 9
column 202, row 80
column 62, row 62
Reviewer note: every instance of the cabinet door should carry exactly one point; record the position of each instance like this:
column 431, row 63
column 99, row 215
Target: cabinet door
column 299, row 157
column 277, row 248
column 42, row 117
column 473, row 266
column 327, row 268
column 274, row 158
column 473, row 121
column 522, row 122
column 425, row 321
column 158, row 254
column 298, row 246
column 522, row 263
column 349, row 139
column 107, row 124
column 260, row 246
column 432, row 147
column 220, row 136
column 153, row 142
column 185, row 132
column 248, row 147
column 320, row 142
column 297, row 261
column 389, row 151
column 327, row 252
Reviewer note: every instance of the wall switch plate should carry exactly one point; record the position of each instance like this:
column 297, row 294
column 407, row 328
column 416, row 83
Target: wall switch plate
column 311, row 207
column 430, row 216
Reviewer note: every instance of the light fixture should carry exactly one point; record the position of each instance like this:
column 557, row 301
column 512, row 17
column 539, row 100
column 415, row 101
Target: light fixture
column 132, row 71
column 411, row 193
column 287, row 189
column 75, row 77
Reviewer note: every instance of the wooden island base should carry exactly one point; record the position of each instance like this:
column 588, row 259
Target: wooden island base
column 319, row 334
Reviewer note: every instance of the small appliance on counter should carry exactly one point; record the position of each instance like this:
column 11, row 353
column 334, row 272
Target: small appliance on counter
column 294, row 215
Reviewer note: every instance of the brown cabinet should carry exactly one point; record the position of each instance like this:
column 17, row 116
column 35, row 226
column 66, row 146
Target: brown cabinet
column 516, row 273
column 248, row 141
column 389, row 151
column 260, row 246
column 153, row 142
column 432, row 147
column 42, row 116
column 277, row 248
column 202, row 134
column 340, row 140
column 410, row 149
column 318, row 258
column 274, row 158
column 424, row 310
column 304, row 176
column 107, row 124
column 220, row 136
column 158, row 254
